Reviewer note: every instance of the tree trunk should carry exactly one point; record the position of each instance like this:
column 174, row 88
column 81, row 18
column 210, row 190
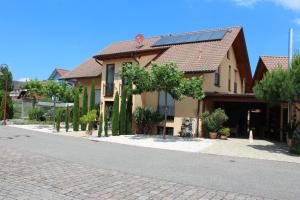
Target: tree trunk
column 166, row 112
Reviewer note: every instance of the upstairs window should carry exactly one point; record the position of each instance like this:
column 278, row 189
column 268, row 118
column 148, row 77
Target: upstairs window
column 110, row 78
column 235, row 83
column 217, row 77
column 228, row 55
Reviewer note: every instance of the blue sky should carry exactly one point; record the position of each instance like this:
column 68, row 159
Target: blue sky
column 38, row 35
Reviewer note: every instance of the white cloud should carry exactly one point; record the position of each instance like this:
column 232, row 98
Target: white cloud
column 288, row 4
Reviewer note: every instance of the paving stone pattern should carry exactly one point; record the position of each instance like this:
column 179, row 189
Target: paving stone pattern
column 24, row 175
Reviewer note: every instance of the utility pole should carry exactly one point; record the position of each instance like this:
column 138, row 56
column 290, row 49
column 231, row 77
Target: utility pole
column 290, row 114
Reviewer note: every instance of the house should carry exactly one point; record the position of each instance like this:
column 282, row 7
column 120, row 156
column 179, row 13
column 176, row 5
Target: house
column 83, row 75
column 17, row 89
column 276, row 115
column 57, row 74
column 219, row 56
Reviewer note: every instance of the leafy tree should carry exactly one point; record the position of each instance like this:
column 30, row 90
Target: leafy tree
column 9, row 106
column 34, row 88
column 280, row 85
column 89, row 119
column 100, row 125
column 76, row 113
column 6, row 77
column 92, row 96
column 67, row 118
column 84, row 110
column 106, row 122
column 129, row 111
column 145, row 119
column 59, row 113
column 163, row 77
column 115, row 115
column 123, row 111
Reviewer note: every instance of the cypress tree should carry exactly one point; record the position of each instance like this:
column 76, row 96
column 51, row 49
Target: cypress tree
column 76, row 111
column 100, row 125
column 129, row 109
column 67, row 118
column 115, row 116
column 84, row 110
column 92, row 97
column 123, row 111
column 129, row 115
column 106, row 122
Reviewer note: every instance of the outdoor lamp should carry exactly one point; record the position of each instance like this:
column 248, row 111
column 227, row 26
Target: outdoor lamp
column 5, row 93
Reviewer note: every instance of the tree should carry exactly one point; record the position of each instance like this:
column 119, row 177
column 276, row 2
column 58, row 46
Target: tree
column 92, row 96
column 9, row 106
column 7, row 76
column 89, row 119
column 84, row 110
column 67, row 118
column 123, row 111
column 100, row 125
column 59, row 113
column 34, row 88
column 129, row 111
column 281, row 85
column 115, row 115
column 163, row 77
column 6, row 80
column 106, row 122
column 76, row 113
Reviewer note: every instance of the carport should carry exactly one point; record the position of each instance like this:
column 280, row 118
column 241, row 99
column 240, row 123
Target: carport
column 247, row 113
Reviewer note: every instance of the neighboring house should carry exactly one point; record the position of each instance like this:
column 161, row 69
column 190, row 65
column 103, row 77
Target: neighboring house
column 277, row 115
column 57, row 74
column 84, row 74
column 17, row 89
column 220, row 56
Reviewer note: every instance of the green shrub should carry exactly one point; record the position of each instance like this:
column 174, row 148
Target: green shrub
column 100, row 125
column 214, row 121
column 115, row 116
column 59, row 114
column 36, row 114
column 9, row 106
column 295, row 149
column 89, row 119
column 106, row 122
column 224, row 132
column 146, row 118
column 123, row 111
column 129, row 115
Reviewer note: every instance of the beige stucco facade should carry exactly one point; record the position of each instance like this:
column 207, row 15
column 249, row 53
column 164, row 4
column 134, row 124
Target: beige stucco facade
column 187, row 107
column 88, row 83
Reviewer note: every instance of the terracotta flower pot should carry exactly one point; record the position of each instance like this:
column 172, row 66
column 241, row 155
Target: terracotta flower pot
column 213, row 135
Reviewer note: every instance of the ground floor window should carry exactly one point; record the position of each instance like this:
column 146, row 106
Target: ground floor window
column 169, row 130
column 97, row 96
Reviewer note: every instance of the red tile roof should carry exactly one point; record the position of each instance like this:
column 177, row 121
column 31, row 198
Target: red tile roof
column 88, row 69
column 273, row 62
column 189, row 57
column 61, row 72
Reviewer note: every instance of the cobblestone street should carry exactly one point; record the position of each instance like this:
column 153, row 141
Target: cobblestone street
column 33, row 176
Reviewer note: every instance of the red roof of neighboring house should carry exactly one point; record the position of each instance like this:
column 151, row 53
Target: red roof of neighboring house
column 60, row 72
column 87, row 69
column 272, row 62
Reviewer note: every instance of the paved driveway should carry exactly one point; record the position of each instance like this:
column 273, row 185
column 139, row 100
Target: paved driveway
column 46, row 166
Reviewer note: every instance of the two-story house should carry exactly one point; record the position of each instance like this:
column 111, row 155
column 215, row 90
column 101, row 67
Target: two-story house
column 220, row 56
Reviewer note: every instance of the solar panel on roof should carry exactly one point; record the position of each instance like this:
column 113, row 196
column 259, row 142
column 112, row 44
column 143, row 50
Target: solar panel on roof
column 189, row 38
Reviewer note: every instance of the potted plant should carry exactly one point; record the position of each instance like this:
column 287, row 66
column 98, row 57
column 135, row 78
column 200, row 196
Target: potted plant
column 213, row 121
column 89, row 119
column 224, row 133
